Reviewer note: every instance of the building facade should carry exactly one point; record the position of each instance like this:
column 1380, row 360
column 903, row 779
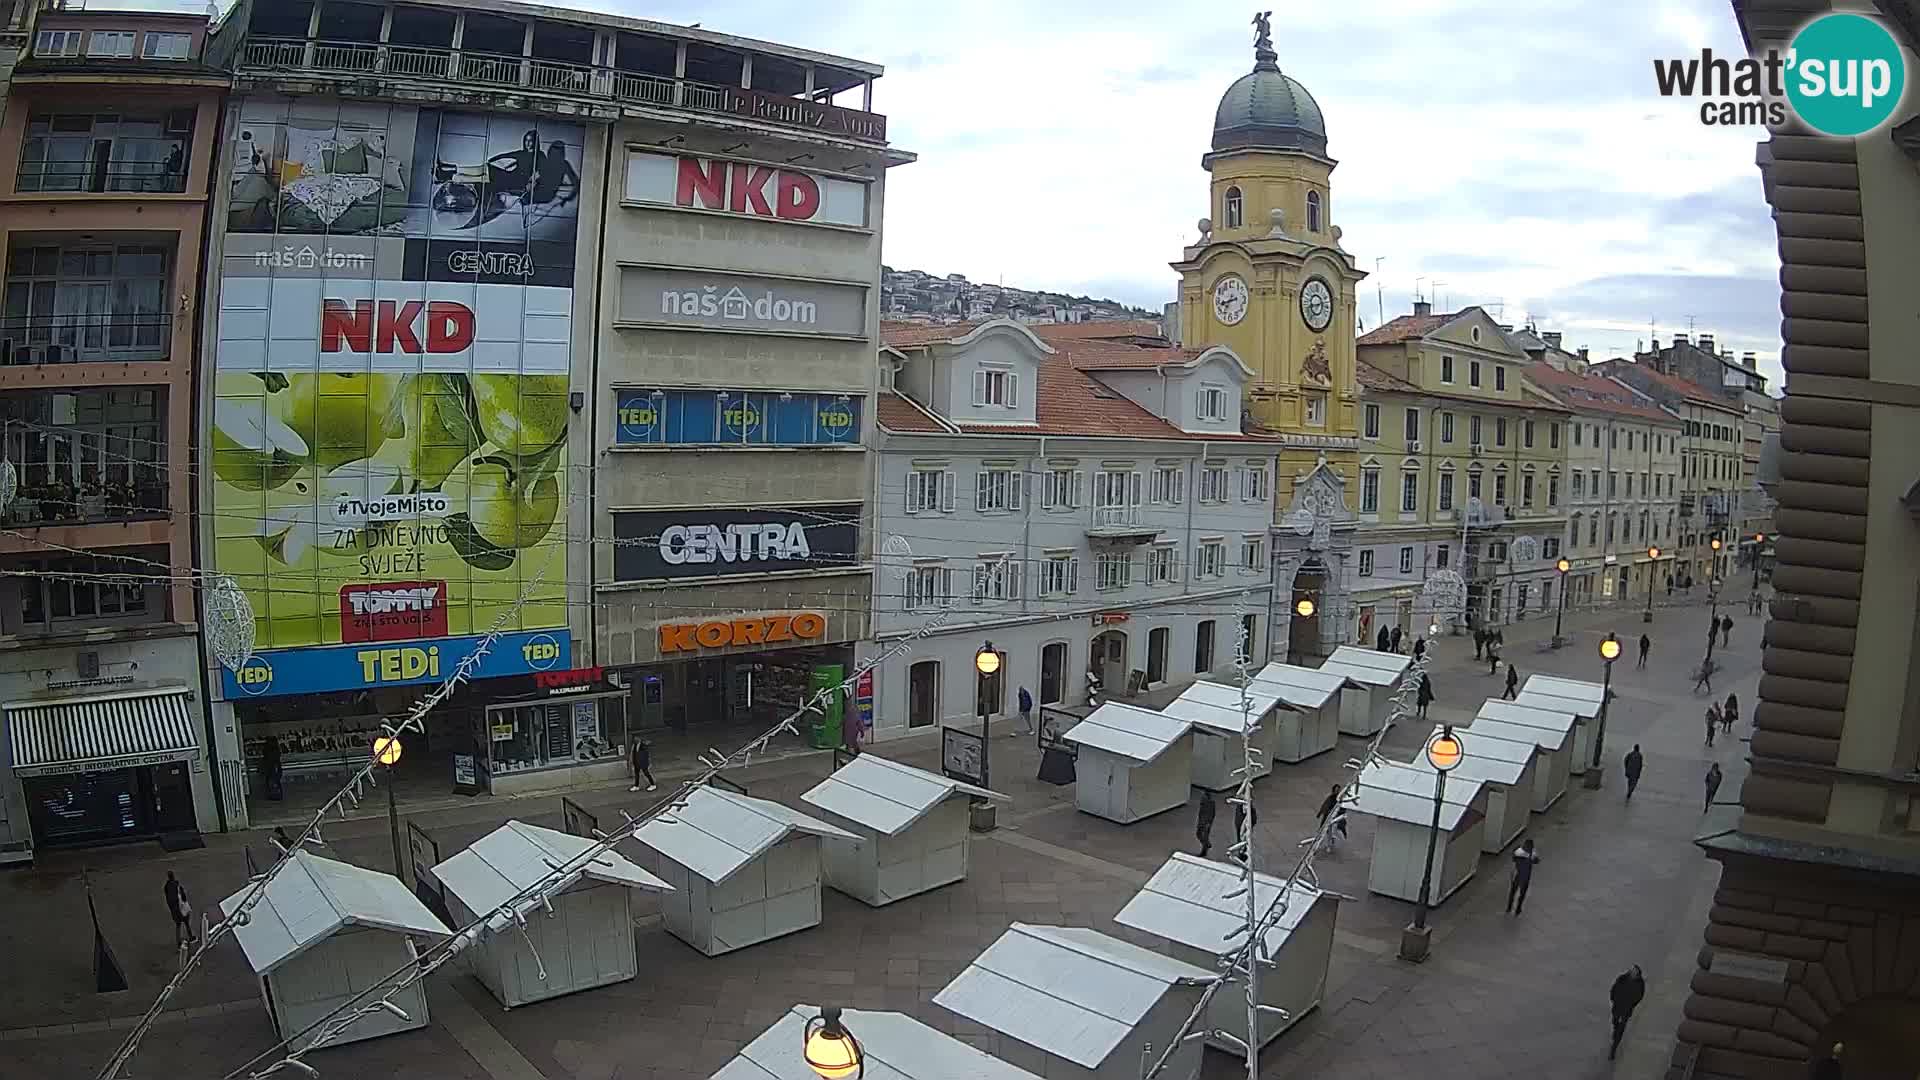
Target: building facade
column 1084, row 505
column 1810, row 940
column 109, row 121
column 444, row 230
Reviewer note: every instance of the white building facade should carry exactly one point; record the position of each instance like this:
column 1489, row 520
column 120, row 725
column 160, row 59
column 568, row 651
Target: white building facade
column 1082, row 505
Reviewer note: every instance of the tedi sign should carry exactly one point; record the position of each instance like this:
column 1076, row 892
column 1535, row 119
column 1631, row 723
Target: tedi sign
column 1843, row 75
column 748, row 188
column 701, row 543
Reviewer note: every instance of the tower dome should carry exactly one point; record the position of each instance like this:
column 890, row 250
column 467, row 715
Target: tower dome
column 1266, row 109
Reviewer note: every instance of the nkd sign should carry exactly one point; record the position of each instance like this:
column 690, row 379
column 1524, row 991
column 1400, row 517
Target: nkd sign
column 747, row 188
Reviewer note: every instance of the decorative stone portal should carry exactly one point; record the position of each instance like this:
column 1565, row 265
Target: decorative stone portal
column 1312, row 542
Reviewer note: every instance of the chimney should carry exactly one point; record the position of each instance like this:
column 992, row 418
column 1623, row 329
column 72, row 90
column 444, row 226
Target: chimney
column 1552, row 338
column 1706, row 343
column 1583, row 354
column 1422, row 307
column 1679, row 339
column 1747, row 361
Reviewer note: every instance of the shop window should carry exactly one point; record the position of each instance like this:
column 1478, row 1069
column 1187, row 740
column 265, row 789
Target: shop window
column 526, row 737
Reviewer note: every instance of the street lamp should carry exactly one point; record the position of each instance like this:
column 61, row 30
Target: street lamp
column 830, row 1049
column 1653, row 571
column 1759, row 541
column 1444, row 752
column 1304, row 608
column 1609, row 652
column 1563, row 566
column 386, row 751
column 987, row 663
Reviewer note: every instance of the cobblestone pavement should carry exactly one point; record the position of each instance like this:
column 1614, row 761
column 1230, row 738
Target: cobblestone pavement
column 1619, row 883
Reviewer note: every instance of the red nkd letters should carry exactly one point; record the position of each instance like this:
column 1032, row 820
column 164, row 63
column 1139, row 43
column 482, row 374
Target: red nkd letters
column 395, row 326
column 739, row 188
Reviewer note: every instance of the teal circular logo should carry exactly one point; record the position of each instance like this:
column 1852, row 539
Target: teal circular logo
column 1845, row 74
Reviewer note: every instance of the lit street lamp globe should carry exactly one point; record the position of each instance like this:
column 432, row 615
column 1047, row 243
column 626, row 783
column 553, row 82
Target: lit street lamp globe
column 1653, row 553
column 1610, row 649
column 386, row 750
column 1444, row 750
column 830, row 1049
column 1563, row 566
column 1304, row 608
column 986, row 661
column 1714, row 543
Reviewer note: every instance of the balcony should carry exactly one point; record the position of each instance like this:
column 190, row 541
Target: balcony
column 1121, row 524
column 86, row 456
column 85, row 152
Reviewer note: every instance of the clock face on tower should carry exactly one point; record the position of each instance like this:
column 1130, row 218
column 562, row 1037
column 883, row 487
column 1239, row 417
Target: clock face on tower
column 1230, row 299
column 1316, row 304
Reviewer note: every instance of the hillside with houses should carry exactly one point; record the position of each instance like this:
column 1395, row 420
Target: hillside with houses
column 917, row 296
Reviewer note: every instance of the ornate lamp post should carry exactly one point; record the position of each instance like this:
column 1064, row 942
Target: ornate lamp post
column 1759, row 541
column 987, row 663
column 1653, row 572
column 1444, row 752
column 386, row 750
column 1713, row 596
column 1609, row 652
column 829, row 1049
column 1560, row 613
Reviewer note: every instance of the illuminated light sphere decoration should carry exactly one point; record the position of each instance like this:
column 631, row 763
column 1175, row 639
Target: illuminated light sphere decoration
column 1653, row 553
column 1304, row 608
column 830, row 1049
column 986, row 661
column 230, row 626
column 1445, row 594
column 386, row 750
column 1444, row 751
column 1610, row 649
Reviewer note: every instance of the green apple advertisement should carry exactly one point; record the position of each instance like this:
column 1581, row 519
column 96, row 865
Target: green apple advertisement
column 389, row 431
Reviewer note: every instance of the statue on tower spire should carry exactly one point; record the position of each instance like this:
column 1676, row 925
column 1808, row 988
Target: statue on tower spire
column 1263, row 54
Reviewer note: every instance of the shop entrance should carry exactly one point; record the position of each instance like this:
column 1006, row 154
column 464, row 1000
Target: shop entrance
column 300, row 748
column 1053, row 672
column 742, row 689
column 1303, row 631
column 1107, row 658
column 109, row 806
column 923, row 693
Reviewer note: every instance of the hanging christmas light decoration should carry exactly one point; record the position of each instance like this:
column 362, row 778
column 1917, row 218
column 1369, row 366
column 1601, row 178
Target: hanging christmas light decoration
column 1445, row 594
column 9, row 484
column 229, row 626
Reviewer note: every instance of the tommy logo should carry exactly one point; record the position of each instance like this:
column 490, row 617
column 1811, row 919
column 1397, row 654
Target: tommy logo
column 393, row 611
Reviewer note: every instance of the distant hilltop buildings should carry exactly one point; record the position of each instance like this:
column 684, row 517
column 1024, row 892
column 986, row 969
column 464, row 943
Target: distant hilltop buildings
column 917, row 296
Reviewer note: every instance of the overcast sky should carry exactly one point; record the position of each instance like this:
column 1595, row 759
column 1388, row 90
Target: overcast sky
column 1510, row 154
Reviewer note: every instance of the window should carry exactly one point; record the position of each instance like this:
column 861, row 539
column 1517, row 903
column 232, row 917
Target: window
column 1473, row 483
column 1593, row 483
column 1366, row 562
column 1446, row 369
column 1579, row 483
column 1059, row 575
column 1446, row 427
column 1169, row 485
column 929, row 491
column 1369, row 491
column 68, row 592
column 929, row 585
column 85, row 454
column 1211, row 559
column 995, row 578
column 1253, row 553
column 1113, row 570
column 1409, row 492
column 1413, row 425
column 1500, row 489
column 1576, row 434
column 1116, row 494
column 1499, row 431
column 1406, row 560
column 1553, row 436
column 116, row 44
column 57, row 43
column 1235, row 209
column 1497, row 551
column 1629, row 493
column 1162, row 564
column 1613, row 484
column 996, row 386
column 1593, row 530
column 1611, row 520
column 1313, row 211
column 1254, row 485
column 1526, row 489
column 1249, row 637
column 1473, row 430
column 78, row 302
column 1370, row 416
column 996, row 490
column 1316, row 409
column 1062, row 489
column 1203, row 647
column 1573, row 531
column 1613, row 438
column 1213, row 403
column 1526, row 434
column 1213, row 484
column 1446, row 491
column 158, row 46
column 1553, row 490
column 1473, row 373
column 1499, row 377
column 1442, row 555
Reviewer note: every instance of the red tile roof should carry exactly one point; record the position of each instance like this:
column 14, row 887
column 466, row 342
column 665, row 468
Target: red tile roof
column 1590, row 392
column 1104, row 329
column 1407, row 328
column 1110, row 355
column 897, row 413
column 906, row 335
column 1373, row 378
column 1672, row 384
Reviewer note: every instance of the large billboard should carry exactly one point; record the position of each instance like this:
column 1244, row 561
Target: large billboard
column 725, row 542
column 389, row 443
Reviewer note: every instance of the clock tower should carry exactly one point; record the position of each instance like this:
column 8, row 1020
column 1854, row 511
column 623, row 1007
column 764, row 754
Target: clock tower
column 1269, row 279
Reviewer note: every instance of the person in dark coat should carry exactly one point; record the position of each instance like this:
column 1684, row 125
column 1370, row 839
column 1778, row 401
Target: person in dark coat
column 1646, row 646
column 1419, row 647
column 642, row 761
column 1731, row 714
column 1828, row 1067
column 1382, row 639
column 1513, row 683
column 271, row 774
column 181, row 909
column 1524, row 860
column 1479, row 643
column 1626, row 994
column 1726, row 629
column 1203, row 825
column 1331, row 806
column 1425, row 694
column 1713, row 721
column 1393, row 641
column 1026, row 711
column 1493, row 657
column 1634, row 763
column 1713, row 785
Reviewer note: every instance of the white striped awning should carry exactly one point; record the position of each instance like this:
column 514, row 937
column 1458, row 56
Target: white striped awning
column 102, row 731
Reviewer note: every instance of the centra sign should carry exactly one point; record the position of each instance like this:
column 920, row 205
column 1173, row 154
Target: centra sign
column 733, row 633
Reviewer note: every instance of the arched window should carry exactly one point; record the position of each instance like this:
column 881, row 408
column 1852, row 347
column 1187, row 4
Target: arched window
column 1313, row 211
column 1235, row 210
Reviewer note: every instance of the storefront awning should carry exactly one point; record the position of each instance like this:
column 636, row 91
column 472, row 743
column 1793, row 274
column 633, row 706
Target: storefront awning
column 102, row 731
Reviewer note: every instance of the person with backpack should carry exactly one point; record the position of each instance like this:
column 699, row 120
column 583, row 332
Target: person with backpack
column 1713, row 721
column 1026, row 711
column 1330, row 807
column 1525, row 858
column 181, row 909
column 1726, row 630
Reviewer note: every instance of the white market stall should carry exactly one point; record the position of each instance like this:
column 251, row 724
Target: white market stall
column 1192, row 902
column 1554, row 735
column 1364, row 707
column 743, row 870
column 1133, row 763
column 325, row 931
column 1575, row 696
column 1507, row 769
column 894, row 1046
column 584, row 940
column 1214, row 710
column 1546, row 788
column 1313, row 727
column 1072, row 1002
column 1400, row 798
column 909, row 828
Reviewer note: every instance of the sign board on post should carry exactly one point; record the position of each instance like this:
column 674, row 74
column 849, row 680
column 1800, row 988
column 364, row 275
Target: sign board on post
column 576, row 821
column 466, row 774
column 424, row 852
column 960, row 755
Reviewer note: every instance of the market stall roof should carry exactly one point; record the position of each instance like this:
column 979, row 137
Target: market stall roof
column 1487, row 728
column 1129, row 731
column 1576, row 696
column 1302, row 687
column 1370, row 666
column 313, row 897
column 1401, row 793
column 894, row 1046
column 1486, row 758
column 887, row 796
column 1216, row 706
column 510, row 859
column 1193, row 901
column 718, row 832
column 1558, row 721
column 1074, row 993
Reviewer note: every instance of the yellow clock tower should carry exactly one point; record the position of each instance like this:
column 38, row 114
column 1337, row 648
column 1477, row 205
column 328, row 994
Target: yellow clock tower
column 1269, row 279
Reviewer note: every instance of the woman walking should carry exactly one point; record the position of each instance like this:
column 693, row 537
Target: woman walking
column 1731, row 714
column 1713, row 721
column 1425, row 694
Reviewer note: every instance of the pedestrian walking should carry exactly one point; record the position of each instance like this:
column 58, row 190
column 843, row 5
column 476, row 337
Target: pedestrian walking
column 1646, row 646
column 1731, row 714
column 1713, row 785
column 1419, row 647
column 1634, row 764
column 642, row 764
column 1203, row 824
column 1393, row 641
column 1524, row 860
column 1382, row 640
column 1828, row 1067
column 1669, row 586
column 1626, row 994
column 1713, row 721
column 1705, row 676
column 1026, row 711
column 271, row 770
column 1493, row 659
column 1726, row 630
column 1330, row 807
column 181, row 908
column 1479, row 643
column 1424, row 694
column 1513, row 683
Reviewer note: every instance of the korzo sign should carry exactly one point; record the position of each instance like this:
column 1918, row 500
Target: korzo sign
column 747, row 188
column 708, row 543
